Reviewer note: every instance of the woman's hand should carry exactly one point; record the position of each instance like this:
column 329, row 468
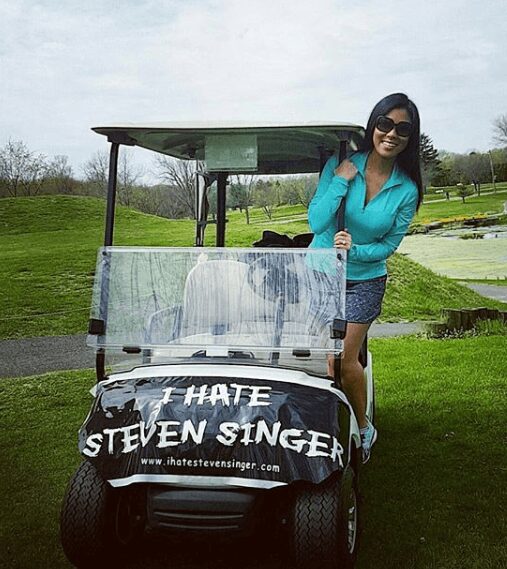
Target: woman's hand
column 343, row 240
column 346, row 170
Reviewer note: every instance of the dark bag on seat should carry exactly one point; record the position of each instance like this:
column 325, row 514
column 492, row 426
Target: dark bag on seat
column 273, row 239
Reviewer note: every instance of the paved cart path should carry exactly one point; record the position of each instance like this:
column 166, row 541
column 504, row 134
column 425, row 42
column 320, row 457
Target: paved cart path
column 490, row 291
column 32, row 356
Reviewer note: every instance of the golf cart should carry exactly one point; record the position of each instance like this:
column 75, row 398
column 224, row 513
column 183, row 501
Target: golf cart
column 213, row 412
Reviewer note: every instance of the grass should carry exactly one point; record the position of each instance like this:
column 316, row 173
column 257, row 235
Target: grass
column 438, row 193
column 484, row 204
column 442, row 504
column 49, row 246
column 416, row 293
column 434, row 492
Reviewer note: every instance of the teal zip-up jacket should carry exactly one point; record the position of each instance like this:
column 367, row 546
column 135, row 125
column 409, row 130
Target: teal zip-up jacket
column 376, row 229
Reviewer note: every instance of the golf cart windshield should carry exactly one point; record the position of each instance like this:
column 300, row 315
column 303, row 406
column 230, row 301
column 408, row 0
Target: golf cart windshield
column 180, row 302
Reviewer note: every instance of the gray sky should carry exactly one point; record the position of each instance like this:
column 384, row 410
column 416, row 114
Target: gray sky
column 67, row 66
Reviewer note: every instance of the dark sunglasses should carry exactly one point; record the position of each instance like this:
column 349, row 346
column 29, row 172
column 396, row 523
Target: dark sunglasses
column 385, row 124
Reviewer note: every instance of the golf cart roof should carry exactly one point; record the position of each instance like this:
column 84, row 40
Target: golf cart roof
column 281, row 148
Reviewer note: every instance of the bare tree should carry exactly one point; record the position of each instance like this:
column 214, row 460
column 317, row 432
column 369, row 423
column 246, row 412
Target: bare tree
column 22, row 172
column 242, row 190
column 179, row 175
column 96, row 171
column 128, row 177
column 500, row 130
column 60, row 175
column 472, row 167
column 265, row 197
column 152, row 200
column 306, row 187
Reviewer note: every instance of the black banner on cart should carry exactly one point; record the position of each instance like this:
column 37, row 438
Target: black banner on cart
column 249, row 429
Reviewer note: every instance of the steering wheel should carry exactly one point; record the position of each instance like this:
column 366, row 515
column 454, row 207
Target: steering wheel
column 272, row 276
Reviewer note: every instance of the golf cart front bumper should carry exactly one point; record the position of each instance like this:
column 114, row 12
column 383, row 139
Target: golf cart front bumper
column 213, row 426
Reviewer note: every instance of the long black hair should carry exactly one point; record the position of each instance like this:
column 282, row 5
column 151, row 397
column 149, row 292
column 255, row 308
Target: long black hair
column 408, row 160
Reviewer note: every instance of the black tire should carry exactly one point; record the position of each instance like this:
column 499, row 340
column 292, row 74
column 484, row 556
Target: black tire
column 320, row 524
column 89, row 520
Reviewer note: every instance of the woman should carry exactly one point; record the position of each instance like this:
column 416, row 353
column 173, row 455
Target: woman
column 382, row 189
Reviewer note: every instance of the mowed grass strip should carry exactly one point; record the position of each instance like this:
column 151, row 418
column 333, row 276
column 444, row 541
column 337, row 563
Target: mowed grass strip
column 434, row 492
column 49, row 247
column 486, row 203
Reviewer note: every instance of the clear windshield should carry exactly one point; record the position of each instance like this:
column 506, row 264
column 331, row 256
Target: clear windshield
column 180, row 301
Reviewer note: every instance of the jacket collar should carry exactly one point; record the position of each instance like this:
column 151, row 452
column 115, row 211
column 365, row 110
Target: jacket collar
column 396, row 178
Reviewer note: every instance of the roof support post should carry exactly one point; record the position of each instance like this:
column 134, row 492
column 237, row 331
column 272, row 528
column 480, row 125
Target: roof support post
column 340, row 214
column 198, row 204
column 111, row 193
column 342, row 154
column 100, row 355
column 221, row 191
column 323, row 157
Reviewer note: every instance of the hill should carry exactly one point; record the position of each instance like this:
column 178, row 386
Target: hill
column 49, row 244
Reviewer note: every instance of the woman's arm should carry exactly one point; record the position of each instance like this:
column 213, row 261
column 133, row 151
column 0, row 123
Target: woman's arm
column 328, row 196
column 387, row 245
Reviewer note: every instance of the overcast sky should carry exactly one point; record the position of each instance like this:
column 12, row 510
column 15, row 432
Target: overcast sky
column 67, row 66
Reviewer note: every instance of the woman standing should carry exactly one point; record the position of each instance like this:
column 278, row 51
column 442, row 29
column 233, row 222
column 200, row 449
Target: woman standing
column 383, row 189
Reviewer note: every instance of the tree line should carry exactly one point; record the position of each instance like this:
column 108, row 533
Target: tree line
column 26, row 173
column 441, row 168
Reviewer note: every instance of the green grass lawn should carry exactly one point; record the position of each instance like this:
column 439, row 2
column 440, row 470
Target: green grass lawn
column 434, row 492
column 474, row 205
column 416, row 293
column 49, row 245
column 439, row 193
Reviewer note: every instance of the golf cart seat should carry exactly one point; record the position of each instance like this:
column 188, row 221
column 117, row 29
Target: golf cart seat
column 219, row 301
column 214, row 298
column 259, row 301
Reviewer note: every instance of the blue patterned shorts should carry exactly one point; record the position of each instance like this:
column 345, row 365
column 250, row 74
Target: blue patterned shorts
column 363, row 299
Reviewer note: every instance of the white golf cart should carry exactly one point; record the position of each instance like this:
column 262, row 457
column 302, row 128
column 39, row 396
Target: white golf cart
column 217, row 413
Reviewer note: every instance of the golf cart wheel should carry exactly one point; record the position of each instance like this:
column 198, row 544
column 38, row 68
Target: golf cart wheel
column 325, row 524
column 94, row 520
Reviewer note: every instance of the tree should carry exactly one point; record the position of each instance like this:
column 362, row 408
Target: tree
column 96, row 172
column 128, row 178
column 477, row 169
column 442, row 175
column 22, row 172
column 499, row 161
column 60, row 176
column 290, row 189
column 180, row 176
column 463, row 191
column 306, row 188
column 265, row 197
column 473, row 168
column 241, row 193
column 428, row 156
column 500, row 130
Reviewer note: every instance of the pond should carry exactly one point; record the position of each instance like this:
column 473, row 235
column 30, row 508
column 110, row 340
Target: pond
column 489, row 232
column 445, row 253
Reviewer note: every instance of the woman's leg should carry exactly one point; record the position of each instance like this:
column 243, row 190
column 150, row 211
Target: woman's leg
column 352, row 372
